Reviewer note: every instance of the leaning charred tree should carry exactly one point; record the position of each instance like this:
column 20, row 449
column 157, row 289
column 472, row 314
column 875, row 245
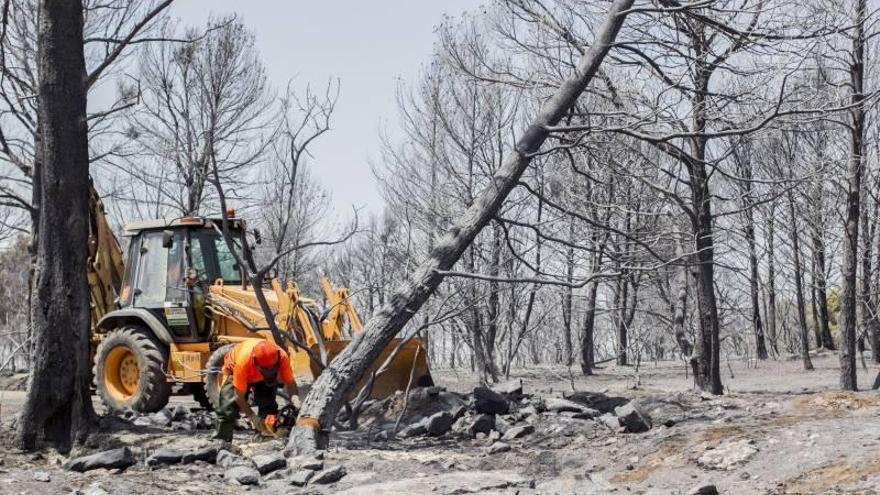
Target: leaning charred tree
column 58, row 407
column 334, row 384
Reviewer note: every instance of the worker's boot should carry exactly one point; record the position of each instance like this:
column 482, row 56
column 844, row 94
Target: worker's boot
column 227, row 413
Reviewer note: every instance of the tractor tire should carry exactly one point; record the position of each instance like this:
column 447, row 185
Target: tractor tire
column 214, row 374
column 129, row 370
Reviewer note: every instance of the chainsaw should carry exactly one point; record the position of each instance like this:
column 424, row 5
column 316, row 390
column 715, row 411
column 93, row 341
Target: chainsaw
column 280, row 424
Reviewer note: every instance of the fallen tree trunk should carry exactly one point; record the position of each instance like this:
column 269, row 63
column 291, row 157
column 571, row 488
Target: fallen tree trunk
column 334, row 384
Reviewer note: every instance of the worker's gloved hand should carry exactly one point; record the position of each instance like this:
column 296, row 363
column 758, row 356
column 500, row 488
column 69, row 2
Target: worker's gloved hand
column 259, row 426
column 295, row 402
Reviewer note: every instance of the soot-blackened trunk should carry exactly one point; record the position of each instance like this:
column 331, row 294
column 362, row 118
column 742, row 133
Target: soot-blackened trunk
column 821, row 284
column 58, row 407
column 588, row 353
column 799, row 287
column 621, row 298
column 749, row 231
column 849, row 299
column 706, row 360
column 771, row 279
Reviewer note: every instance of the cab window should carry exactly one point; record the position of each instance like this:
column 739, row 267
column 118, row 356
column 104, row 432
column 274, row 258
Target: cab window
column 175, row 287
column 152, row 271
column 212, row 260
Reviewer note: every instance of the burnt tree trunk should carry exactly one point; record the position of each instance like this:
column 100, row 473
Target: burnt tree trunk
column 821, row 284
column 799, row 287
column 588, row 353
column 330, row 389
column 749, row 231
column 479, row 356
column 869, row 323
column 849, row 298
column 757, row 323
column 58, row 407
column 771, row 279
column 588, row 344
column 568, row 298
column 620, row 309
column 814, row 307
column 679, row 304
column 493, row 310
column 706, row 359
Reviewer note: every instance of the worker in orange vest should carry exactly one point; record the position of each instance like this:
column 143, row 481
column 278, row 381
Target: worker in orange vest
column 256, row 366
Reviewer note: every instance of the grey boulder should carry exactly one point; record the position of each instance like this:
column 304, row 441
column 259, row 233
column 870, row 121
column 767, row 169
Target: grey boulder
column 518, row 432
column 164, row 456
column 633, row 418
column 487, row 401
column 331, row 475
column 243, row 475
column 498, row 447
column 109, row 459
column 301, row 477
column 439, row 423
column 266, row 463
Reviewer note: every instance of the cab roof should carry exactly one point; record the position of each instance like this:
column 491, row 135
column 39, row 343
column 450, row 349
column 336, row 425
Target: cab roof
column 134, row 228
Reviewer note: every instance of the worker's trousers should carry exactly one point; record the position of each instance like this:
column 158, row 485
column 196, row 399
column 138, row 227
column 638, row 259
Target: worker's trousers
column 227, row 413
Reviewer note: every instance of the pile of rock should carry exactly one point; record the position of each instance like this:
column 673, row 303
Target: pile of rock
column 504, row 413
column 179, row 418
column 254, row 470
column 275, row 468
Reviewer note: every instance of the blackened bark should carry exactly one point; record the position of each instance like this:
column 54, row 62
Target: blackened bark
column 799, row 287
column 849, row 300
column 475, row 326
column 493, row 310
column 567, row 299
column 869, row 323
column 58, row 407
column 334, row 384
column 706, row 363
column 622, row 296
column 814, row 306
column 588, row 356
column 771, row 279
column 706, row 360
column 745, row 167
column 757, row 324
column 621, row 299
column 679, row 304
column 821, row 284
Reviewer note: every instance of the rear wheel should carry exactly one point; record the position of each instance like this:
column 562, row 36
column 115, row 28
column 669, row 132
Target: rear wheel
column 214, row 374
column 129, row 370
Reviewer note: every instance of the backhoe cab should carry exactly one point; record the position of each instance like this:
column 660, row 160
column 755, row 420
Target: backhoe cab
column 183, row 301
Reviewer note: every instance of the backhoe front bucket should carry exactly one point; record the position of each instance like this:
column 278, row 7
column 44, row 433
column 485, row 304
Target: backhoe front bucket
column 408, row 368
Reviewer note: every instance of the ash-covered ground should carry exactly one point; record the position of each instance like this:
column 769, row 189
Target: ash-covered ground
column 778, row 430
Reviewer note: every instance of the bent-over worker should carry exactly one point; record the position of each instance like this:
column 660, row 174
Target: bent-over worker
column 255, row 366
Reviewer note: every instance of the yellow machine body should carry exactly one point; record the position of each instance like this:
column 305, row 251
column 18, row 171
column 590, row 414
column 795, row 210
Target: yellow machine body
column 231, row 313
column 235, row 313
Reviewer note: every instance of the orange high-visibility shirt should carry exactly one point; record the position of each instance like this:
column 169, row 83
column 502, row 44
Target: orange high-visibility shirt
column 239, row 363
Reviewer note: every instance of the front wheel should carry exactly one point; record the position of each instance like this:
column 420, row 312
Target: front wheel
column 129, row 370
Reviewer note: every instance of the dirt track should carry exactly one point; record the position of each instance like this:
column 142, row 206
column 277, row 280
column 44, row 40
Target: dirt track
column 779, row 430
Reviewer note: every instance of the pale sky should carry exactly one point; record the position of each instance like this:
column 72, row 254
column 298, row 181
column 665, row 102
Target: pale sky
column 368, row 45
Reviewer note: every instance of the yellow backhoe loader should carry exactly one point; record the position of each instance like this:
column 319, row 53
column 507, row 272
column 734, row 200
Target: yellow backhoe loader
column 169, row 312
